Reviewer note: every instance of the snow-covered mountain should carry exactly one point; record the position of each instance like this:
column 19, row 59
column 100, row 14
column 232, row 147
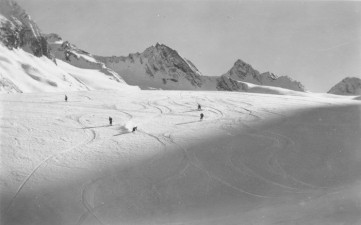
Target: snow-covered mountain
column 71, row 54
column 161, row 67
column 65, row 67
column 241, row 71
column 158, row 67
column 28, row 63
column 17, row 30
column 348, row 86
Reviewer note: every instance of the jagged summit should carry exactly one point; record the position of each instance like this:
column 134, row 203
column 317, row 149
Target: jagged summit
column 158, row 66
column 242, row 71
column 17, row 30
column 348, row 86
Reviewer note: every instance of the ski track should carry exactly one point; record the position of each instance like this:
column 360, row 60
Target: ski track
column 297, row 180
column 164, row 106
column 153, row 136
column 87, row 205
column 255, row 174
column 284, row 172
column 280, row 142
column 124, row 112
column 214, row 177
column 155, row 107
column 85, row 142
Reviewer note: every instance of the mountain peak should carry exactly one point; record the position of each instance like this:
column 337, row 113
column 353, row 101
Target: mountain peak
column 242, row 71
column 240, row 62
column 348, row 86
column 18, row 30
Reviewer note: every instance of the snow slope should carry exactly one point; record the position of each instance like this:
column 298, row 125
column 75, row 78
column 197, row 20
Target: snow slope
column 348, row 86
column 27, row 65
column 254, row 159
column 67, row 52
column 158, row 67
column 21, row 71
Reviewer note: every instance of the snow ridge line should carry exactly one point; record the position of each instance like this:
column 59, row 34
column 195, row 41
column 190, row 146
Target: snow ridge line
column 42, row 163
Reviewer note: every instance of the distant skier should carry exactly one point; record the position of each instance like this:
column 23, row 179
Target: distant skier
column 199, row 107
column 202, row 115
column 110, row 121
column 66, row 98
column 134, row 129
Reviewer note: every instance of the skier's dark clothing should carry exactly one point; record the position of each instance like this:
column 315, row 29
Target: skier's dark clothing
column 202, row 115
column 110, row 121
column 66, row 98
column 134, row 129
column 199, row 107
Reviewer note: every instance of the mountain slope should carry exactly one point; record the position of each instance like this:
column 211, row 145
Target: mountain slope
column 69, row 53
column 348, row 86
column 157, row 67
column 21, row 71
column 17, row 30
column 242, row 71
column 161, row 67
column 27, row 63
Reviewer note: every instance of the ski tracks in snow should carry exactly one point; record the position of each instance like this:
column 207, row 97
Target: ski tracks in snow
column 86, row 204
column 91, row 136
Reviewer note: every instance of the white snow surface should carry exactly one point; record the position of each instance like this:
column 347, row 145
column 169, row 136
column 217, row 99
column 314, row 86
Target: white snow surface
column 21, row 71
column 254, row 158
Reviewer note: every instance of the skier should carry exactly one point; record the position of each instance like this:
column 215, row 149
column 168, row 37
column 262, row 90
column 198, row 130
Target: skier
column 202, row 115
column 134, row 129
column 110, row 121
column 66, row 98
column 199, row 107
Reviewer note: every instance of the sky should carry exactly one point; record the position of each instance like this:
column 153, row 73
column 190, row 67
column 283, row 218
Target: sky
column 316, row 43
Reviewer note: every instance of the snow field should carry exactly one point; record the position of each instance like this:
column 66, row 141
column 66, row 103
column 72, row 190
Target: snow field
column 254, row 159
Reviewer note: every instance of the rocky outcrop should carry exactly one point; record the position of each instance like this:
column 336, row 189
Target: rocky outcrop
column 348, row 86
column 67, row 52
column 17, row 30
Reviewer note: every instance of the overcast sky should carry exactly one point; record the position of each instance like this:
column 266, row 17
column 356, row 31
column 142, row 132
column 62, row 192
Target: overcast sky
column 316, row 43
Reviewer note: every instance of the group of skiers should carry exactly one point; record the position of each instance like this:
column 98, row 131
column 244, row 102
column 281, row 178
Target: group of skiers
column 135, row 128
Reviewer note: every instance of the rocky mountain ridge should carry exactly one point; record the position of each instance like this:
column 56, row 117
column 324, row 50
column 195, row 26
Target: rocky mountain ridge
column 17, row 30
column 348, row 86
column 161, row 67
column 241, row 71
column 157, row 67
column 28, row 63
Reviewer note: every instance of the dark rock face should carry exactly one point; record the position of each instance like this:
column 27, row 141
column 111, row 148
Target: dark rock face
column 225, row 83
column 164, row 57
column 17, row 30
column 348, row 86
column 242, row 70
